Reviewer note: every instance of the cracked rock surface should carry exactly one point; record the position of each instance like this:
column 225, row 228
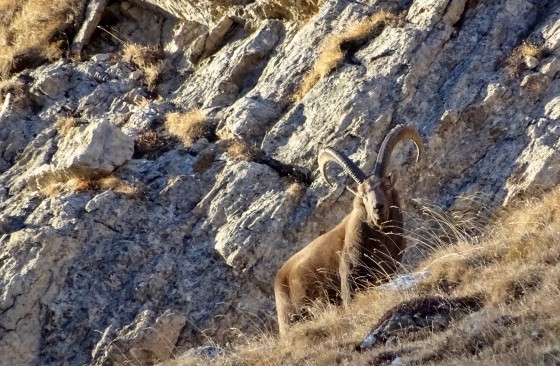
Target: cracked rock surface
column 193, row 254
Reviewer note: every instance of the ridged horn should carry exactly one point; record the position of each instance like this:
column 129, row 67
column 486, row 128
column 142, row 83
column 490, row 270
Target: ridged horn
column 397, row 134
column 330, row 155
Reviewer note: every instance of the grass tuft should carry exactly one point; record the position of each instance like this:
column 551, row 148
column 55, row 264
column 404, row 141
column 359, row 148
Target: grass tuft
column 147, row 59
column 14, row 86
column 116, row 184
column 80, row 184
column 295, row 190
column 335, row 47
column 516, row 62
column 187, row 127
column 35, row 31
column 239, row 150
column 57, row 185
column 65, row 124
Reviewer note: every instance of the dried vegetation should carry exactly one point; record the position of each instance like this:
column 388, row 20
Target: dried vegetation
column 187, row 127
column 514, row 267
column 35, row 31
column 299, row 11
column 522, row 57
column 239, row 150
column 335, row 48
column 150, row 144
column 65, row 124
column 148, row 59
column 13, row 86
column 76, row 184
column 295, row 190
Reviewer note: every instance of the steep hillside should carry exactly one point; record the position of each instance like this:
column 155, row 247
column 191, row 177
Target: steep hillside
column 153, row 181
column 490, row 300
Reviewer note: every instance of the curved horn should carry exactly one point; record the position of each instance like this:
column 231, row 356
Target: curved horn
column 397, row 134
column 327, row 155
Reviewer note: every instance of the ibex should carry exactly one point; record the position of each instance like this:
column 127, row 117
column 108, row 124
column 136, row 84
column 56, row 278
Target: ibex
column 363, row 249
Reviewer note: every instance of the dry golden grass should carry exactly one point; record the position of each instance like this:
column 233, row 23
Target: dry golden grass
column 64, row 124
column 80, row 184
column 34, row 31
column 116, row 184
column 51, row 186
column 13, row 86
column 238, row 150
column 300, row 11
column 307, row 9
column 187, row 127
column 148, row 59
column 515, row 62
column 295, row 190
column 56, row 185
column 334, row 48
column 529, row 49
column 514, row 265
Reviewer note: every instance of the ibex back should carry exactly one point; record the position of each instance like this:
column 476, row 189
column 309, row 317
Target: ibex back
column 364, row 248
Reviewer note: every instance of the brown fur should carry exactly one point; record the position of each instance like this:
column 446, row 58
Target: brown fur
column 368, row 240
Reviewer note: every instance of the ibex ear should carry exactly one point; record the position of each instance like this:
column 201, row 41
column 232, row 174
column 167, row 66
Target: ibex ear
column 392, row 176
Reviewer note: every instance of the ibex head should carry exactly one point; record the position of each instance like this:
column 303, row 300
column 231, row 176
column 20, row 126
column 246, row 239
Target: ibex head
column 375, row 190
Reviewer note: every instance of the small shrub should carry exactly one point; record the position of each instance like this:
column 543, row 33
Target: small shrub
column 33, row 32
column 335, row 47
column 295, row 190
column 515, row 63
column 147, row 59
column 240, row 151
column 65, row 124
column 150, row 144
column 187, row 127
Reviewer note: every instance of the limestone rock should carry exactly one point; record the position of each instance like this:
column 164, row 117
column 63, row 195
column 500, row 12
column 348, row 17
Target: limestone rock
column 147, row 340
column 96, row 149
column 93, row 15
column 208, row 43
column 31, row 277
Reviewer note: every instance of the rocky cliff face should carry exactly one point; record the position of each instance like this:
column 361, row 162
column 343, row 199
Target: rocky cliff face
column 185, row 241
